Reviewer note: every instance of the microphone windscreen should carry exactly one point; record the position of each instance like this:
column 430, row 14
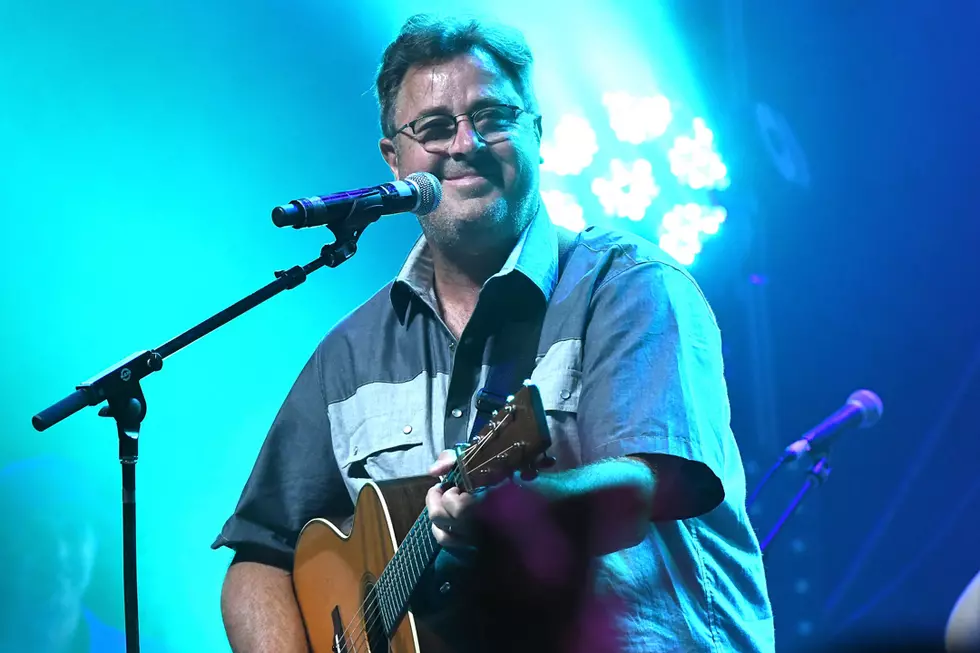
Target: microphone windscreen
column 430, row 191
column 870, row 405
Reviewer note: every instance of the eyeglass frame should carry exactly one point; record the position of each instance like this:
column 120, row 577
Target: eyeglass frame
column 520, row 111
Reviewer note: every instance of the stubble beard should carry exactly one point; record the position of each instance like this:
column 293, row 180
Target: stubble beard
column 498, row 225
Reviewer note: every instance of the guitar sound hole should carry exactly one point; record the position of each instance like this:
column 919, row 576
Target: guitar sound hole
column 373, row 623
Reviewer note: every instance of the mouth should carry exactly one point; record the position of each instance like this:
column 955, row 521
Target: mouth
column 468, row 180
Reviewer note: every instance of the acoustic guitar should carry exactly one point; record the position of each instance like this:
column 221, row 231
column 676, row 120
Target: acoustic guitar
column 354, row 589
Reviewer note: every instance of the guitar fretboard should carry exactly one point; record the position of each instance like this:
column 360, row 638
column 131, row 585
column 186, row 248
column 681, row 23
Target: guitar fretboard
column 402, row 574
column 413, row 556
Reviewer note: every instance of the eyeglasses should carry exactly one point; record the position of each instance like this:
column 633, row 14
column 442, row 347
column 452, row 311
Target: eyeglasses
column 436, row 132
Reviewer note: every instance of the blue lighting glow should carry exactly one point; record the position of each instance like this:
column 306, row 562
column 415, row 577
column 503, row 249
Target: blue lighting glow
column 564, row 210
column 572, row 149
column 629, row 190
column 694, row 161
column 682, row 227
column 637, row 119
column 652, row 158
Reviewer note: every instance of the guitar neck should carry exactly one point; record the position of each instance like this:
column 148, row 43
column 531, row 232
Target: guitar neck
column 419, row 549
column 401, row 576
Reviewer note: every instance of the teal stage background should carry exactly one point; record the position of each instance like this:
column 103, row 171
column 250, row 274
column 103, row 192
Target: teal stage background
column 144, row 144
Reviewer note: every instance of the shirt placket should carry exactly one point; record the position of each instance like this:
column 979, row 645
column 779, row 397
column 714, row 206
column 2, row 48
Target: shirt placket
column 464, row 378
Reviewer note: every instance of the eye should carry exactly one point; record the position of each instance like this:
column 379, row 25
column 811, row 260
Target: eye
column 498, row 116
column 434, row 126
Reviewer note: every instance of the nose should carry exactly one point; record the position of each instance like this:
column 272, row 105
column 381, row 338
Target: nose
column 466, row 140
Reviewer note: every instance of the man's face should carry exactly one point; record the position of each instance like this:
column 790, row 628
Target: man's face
column 489, row 190
column 47, row 568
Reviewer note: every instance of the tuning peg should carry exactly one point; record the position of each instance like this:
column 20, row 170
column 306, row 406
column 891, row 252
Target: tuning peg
column 547, row 461
column 529, row 474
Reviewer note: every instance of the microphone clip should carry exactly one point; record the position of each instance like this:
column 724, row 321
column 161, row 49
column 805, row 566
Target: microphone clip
column 346, row 233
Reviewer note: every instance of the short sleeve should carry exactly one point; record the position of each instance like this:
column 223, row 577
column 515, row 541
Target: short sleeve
column 295, row 477
column 653, row 375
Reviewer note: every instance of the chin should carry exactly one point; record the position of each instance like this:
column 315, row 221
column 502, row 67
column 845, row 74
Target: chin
column 471, row 221
column 485, row 215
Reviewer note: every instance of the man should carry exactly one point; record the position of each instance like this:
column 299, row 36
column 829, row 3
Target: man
column 623, row 347
column 49, row 545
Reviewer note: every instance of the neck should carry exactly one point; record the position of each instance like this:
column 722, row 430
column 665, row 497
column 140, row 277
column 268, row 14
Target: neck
column 459, row 277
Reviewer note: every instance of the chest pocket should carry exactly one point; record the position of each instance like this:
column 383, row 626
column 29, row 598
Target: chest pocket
column 386, row 446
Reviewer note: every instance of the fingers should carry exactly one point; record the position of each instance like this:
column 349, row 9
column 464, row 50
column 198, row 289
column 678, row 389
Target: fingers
column 448, row 514
column 433, row 503
column 443, row 463
column 456, row 503
column 441, row 521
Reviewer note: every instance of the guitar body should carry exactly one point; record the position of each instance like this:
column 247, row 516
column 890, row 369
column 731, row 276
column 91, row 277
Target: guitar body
column 333, row 571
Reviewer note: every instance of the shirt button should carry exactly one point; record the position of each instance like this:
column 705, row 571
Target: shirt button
column 456, row 413
column 407, row 429
column 355, row 451
column 452, row 345
column 444, row 588
column 565, row 394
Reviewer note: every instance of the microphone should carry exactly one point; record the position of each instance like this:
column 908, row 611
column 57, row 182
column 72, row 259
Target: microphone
column 419, row 193
column 863, row 410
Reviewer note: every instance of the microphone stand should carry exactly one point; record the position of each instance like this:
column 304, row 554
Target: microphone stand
column 119, row 385
column 816, row 475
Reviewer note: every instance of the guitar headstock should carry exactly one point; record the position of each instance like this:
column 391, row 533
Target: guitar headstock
column 515, row 439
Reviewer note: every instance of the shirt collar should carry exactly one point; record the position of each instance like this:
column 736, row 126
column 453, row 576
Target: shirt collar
column 535, row 257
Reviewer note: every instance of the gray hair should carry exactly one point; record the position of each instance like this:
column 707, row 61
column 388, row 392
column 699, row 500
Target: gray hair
column 425, row 39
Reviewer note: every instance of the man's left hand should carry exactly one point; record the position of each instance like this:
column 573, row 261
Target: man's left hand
column 449, row 510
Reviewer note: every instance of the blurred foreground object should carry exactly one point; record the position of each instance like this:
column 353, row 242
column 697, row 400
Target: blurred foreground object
column 530, row 587
column 963, row 628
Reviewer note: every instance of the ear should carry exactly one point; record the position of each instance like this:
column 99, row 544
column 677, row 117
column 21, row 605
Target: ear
column 538, row 132
column 387, row 147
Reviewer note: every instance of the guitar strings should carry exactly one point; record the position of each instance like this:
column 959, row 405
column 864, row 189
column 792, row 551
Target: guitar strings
column 374, row 612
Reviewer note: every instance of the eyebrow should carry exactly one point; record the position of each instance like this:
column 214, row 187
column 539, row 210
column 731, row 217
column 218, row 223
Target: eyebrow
column 443, row 109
